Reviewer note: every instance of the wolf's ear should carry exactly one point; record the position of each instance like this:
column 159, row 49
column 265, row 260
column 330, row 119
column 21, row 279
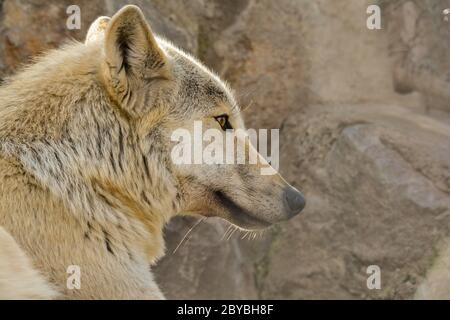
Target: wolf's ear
column 97, row 29
column 133, row 58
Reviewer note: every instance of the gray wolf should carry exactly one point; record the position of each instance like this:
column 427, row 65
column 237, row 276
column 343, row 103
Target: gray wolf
column 86, row 176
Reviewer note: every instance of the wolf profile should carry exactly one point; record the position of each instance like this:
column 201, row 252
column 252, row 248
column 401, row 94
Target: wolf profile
column 85, row 167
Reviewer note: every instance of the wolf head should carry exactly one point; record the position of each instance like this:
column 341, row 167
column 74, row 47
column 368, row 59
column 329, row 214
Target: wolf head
column 147, row 75
column 112, row 105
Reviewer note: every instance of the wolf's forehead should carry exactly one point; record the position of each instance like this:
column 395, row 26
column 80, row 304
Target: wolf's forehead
column 196, row 78
column 202, row 84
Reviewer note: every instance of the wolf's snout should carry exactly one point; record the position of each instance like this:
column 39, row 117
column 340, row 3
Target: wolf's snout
column 294, row 201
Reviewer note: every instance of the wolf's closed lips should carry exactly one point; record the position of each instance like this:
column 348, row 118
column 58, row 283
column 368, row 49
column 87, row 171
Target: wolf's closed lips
column 242, row 216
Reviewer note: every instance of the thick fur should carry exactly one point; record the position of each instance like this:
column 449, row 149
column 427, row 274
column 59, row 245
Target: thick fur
column 18, row 278
column 85, row 172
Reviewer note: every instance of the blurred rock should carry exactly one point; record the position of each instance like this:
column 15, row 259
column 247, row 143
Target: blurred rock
column 29, row 28
column 378, row 186
column 437, row 282
column 418, row 33
column 376, row 176
column 206, row 263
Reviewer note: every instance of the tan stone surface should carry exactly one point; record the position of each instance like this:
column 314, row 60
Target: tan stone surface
column 373, row 163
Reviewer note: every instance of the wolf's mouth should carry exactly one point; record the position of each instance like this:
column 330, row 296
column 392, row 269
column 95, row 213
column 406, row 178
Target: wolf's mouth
column 240, row 216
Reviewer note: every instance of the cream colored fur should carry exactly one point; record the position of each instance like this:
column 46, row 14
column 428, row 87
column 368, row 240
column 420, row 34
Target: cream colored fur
column 18, row 278
column 85, row 171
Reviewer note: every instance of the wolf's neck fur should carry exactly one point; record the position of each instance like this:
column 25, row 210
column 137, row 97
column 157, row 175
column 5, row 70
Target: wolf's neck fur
column 81, row 149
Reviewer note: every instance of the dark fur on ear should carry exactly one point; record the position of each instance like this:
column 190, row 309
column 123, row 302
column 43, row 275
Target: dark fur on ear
column 132, row 58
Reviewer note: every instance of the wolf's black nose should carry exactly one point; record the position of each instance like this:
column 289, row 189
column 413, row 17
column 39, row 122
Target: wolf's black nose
column 294, row 201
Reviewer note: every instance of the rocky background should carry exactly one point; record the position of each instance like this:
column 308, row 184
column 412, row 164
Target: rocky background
column 365, row 134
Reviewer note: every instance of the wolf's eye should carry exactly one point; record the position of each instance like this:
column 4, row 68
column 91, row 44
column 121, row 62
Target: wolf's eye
column 223, row 122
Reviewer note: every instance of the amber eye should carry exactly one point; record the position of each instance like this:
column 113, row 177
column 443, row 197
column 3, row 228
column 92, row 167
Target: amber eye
column 223, row 122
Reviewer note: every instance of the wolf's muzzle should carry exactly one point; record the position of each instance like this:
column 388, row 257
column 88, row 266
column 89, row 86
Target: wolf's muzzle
column 294, row 201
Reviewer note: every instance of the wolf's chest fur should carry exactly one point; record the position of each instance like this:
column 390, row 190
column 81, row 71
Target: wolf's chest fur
column 70, row 191
column 79, row 184
column 113, row 262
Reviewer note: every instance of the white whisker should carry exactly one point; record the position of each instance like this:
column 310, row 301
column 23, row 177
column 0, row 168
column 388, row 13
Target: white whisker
column 187, row 233
column 231, row 233
column 226, row 232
